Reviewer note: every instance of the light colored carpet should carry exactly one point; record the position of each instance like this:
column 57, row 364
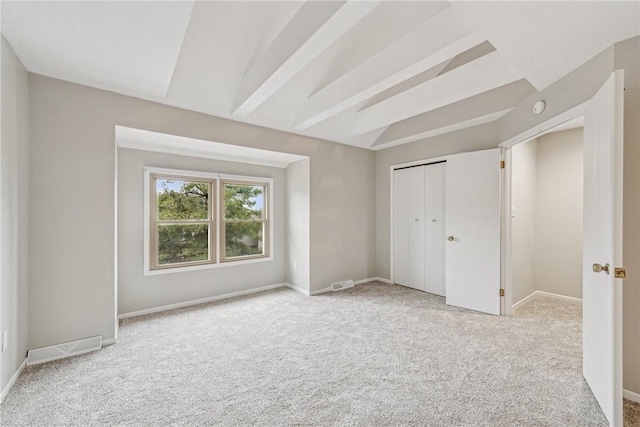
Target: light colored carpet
column 372, row 355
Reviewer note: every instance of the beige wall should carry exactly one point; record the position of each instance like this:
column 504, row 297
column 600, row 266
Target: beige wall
column 138, row 292
column 547, row 183
column 627, row 57
column 524, row 163
column 14, row 212
column 559, row 213
column 73, row 232
column 297, row 238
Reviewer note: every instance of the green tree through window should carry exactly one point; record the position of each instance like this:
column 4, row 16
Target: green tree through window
column 184, row 214
column 183, row 221
column 244, row 220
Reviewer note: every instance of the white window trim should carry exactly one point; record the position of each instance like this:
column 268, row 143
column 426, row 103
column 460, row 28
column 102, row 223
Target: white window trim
column 148, row 171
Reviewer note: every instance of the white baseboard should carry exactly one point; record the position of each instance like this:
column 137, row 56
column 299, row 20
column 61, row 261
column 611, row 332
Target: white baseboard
column 13, row 380
column 630, row 395
column 371, row 279
column 108, row 341
column 545, row 294
column 558, row 296
column 328, row 289
column 356, row 282
column 306, row 292
column 297, row 289
column 524, row 300
column 380, row 279
column 199, row 301
column 320, row 291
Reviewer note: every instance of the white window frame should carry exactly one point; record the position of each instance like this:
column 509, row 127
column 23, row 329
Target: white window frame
column 266, row 238
column 217, row 178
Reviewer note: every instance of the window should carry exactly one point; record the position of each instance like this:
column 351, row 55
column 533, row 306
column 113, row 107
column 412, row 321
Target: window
column 245, row 220
column 182, row 223
column 191, row 214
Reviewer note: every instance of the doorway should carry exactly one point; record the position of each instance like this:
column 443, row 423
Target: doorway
column 602, row 272
column 546, row 216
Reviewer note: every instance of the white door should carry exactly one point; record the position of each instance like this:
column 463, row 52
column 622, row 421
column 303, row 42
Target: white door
column 601, row 291
column 434, row 228
column 472, row 206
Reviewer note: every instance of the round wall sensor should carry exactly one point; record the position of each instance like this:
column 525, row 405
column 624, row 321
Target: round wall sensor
column 538, row 107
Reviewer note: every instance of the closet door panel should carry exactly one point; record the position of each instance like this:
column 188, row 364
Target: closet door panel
column 434, row 229
column 416, row 187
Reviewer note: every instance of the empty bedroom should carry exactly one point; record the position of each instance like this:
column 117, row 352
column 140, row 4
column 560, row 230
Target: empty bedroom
column 320, row 213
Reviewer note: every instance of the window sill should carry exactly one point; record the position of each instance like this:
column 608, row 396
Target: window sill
column 148, row 272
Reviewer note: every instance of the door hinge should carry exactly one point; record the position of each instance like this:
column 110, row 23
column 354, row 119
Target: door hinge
column 501, row 164
column 620, row 272
column 501, row 292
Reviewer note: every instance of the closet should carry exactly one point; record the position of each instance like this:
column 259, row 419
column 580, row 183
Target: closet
column 446, row 228
column 419, row 227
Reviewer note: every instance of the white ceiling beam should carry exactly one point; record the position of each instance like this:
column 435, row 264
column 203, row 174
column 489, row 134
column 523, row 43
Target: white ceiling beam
column 312, row 30
column 438, row 40
column 549, row 39
column 476, row 121
column 483, row 74
column 484, row 105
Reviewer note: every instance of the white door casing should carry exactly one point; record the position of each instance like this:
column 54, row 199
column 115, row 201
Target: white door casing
column 602, row 231
column 472, row 209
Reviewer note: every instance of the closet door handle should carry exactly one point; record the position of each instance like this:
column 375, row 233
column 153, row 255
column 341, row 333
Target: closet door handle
column 450, row 238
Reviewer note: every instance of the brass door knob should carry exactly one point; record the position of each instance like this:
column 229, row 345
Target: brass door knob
column 450, row 238
column 597, row 268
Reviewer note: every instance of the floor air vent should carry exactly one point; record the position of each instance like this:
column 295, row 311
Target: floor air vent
column 338, row 286
column 59, row 351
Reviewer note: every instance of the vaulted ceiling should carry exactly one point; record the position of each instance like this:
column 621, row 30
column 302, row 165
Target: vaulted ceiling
column 373, row 74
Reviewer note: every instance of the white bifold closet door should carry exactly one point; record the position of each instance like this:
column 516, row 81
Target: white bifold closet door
column 419, row 227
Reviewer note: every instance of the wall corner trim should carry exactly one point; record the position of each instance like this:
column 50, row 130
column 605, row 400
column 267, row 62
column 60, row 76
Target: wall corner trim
column 630, row 395
column 13, row 380
column 199, row 301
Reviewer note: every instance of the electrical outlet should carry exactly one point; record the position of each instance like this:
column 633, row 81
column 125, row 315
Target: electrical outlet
column 5, row 340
